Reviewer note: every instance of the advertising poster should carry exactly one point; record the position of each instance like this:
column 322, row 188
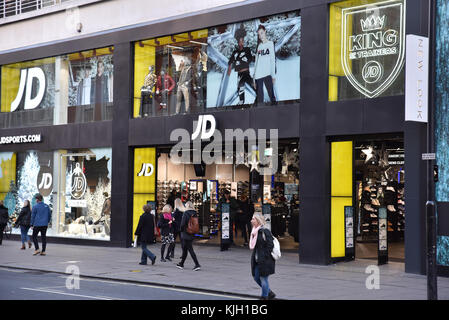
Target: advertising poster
column 256, row 60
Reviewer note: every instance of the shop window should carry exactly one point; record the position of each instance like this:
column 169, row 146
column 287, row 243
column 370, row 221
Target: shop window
column 58, row 90
column 366, row 49
column 81, row 205
column 219, row 67
column 84, row 195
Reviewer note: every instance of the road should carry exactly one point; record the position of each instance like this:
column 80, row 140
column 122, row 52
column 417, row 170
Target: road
column 35, row 285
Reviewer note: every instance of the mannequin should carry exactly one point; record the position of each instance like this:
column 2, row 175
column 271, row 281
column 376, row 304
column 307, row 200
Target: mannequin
column 164, row 87
column 147, row 92
column 185, row 78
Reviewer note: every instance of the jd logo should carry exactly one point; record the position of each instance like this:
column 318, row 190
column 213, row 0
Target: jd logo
column 146, row 170
column 45, row 181
column 33, row 80
column 201, row 127
column 79, row 183
column 372, row 50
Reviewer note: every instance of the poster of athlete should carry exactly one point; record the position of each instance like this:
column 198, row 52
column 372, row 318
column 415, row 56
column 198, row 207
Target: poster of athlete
column 255, row 61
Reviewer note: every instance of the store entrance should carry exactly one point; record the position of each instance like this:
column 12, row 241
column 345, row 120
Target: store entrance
column 276, row 196
column 379, row 183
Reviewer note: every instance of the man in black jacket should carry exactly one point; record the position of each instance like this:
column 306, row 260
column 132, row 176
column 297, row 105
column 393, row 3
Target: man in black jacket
column 187, row 238
column 145, row 233
column 4, row 216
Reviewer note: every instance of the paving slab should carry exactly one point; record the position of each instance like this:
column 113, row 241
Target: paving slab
column 227, row 272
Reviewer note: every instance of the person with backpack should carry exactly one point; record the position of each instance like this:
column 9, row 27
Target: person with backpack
column 24, row 221
column 189, row 226
column 165, row 223
column 177, row 218
column 262, row 261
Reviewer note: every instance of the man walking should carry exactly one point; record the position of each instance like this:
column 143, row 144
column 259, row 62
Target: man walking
column 40, row 218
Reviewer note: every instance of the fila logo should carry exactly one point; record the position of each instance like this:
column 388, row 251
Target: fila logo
column 46, row 181
column 146, row 171
column 201, row 127
column 263, row 52
column 27, row 81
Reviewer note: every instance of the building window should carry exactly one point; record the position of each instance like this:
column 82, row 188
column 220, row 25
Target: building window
column 76, row 184
column 255, row 62
column 66, row 89
column 366, row 49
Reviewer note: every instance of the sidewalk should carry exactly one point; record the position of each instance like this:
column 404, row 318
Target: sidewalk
column 227, row 272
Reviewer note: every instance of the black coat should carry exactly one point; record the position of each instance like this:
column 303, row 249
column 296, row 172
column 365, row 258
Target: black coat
column 177, row 218
column 165, row 226
column 24, row 218
column 145, row 228
column 4, row 215
column 265, row 261
column 247, row 212
column 184, row 223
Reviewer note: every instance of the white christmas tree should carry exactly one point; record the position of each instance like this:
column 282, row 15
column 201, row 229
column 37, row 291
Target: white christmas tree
column 28, row 178
column 95, row 200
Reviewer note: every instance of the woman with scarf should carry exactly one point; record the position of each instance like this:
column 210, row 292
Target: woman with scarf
column 165, row 223
column 262, row 263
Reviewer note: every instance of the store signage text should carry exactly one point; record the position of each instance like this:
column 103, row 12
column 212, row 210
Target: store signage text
column 21, row 139
column 28, row 80
column 188, row 151
column 79, row 183
column 201, row 127
column 146, row 170
column 45, row 181
column 372, row 53
column 416, row 79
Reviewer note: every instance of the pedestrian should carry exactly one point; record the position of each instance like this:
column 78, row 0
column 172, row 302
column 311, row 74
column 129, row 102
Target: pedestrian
column 24, row 221
column 40, row 218
column 4, row 217
column 187, row 239
column 145, row 233
column 171, row 198
column 177, row 219
column 245, row 213
column 262, row 263
column 165, row 223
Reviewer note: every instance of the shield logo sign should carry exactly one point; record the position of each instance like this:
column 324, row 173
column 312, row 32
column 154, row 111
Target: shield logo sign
column 372, row 49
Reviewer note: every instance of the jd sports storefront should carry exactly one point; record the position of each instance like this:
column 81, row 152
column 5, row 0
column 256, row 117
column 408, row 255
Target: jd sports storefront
column 329, row 76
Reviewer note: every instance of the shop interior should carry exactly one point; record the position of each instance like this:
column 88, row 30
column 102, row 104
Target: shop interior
column 379, row 182
column 205, row 186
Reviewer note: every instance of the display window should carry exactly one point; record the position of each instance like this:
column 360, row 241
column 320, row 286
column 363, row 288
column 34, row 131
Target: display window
column 255, row 62
column 66, row 89
column 76, row 185
column 366, row 49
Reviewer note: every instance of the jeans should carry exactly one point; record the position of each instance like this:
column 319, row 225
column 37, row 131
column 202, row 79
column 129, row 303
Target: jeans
column 43, row 231
column 182, row 91
column 146, row 253
column 24, row 234
column 262, row 282
column 187, row 246
column 268, row 81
